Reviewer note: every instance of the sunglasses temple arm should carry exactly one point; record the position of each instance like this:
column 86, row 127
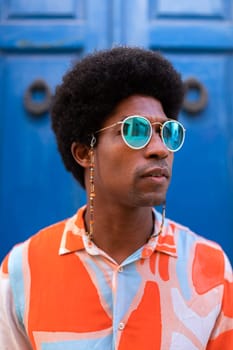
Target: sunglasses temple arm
column 107, row 127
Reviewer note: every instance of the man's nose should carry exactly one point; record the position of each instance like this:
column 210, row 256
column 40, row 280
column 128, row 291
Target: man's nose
column 156, row 147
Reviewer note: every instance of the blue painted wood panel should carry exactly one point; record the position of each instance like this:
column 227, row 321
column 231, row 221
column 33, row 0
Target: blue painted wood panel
column 46, row 25
column 45, row 8
column 191, row 9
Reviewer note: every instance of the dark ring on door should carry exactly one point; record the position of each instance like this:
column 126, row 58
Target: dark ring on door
column 37, row 108
column 194, row 107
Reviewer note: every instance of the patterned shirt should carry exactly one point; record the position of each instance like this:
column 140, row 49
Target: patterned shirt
column 58, row 291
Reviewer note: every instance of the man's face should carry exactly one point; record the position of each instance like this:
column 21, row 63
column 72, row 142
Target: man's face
column 128, row 177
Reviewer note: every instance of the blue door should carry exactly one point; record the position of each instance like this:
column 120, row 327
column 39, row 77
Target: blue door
column 39, row 39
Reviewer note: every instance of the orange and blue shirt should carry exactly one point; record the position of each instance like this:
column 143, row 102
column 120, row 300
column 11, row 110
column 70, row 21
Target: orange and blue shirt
column 58, row 291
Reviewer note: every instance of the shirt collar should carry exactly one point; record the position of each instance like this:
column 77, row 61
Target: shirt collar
column 74, row 237
column 165, row 242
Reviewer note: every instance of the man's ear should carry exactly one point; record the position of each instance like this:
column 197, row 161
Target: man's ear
column 80, row 153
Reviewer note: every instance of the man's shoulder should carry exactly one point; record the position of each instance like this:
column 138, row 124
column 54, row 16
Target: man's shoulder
column 47, row 234
column 47, row 240
column 186, row 237
column 50, row 232
column 201, row 248
column 206, row 258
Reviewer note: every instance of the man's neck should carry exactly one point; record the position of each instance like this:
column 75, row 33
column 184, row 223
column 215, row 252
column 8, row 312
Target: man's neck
column 119, row 233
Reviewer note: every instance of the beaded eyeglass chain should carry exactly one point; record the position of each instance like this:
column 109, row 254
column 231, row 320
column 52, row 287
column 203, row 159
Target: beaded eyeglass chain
column 92, row 188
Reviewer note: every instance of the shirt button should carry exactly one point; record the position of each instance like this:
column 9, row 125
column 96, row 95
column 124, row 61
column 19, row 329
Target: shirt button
column 121, row 326
column 120, row 269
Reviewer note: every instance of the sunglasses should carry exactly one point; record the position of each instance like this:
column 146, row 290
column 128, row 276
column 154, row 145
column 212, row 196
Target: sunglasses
column 136, row 131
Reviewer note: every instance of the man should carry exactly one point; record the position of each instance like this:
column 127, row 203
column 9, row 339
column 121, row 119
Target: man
column 118, row 274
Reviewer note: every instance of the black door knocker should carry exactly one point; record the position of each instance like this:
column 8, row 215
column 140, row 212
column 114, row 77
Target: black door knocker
column 33, row 105
column 197, row 105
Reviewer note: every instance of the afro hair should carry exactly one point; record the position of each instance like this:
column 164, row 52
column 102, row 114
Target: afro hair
column 91, row 90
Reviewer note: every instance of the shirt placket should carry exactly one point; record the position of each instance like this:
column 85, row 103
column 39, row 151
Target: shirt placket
column 118, row 321
column 124, row 277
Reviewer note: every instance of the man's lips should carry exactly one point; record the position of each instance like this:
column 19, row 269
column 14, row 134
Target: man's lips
column 157, row 172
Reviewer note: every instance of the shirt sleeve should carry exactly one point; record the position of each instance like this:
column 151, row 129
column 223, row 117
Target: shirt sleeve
column 12, row 336
column 222, row 334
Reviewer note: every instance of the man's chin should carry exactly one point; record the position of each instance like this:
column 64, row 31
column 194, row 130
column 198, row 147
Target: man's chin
column 153, row 201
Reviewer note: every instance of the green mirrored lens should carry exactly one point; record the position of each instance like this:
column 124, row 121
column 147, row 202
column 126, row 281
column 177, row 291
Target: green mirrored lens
column 173, row 135
column 136, row 131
